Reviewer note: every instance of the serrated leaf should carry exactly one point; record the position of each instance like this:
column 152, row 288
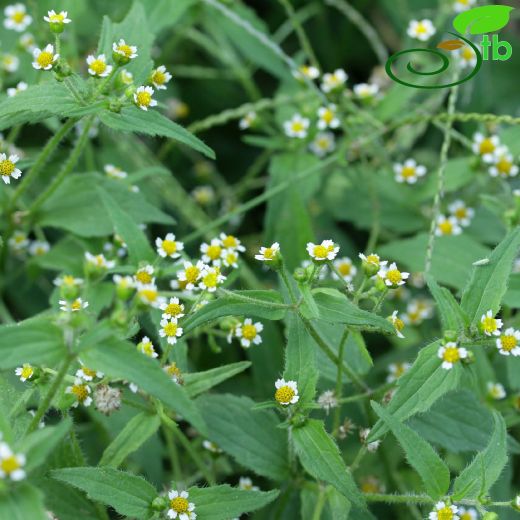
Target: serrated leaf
column 198, row 382
column 481, row 20
column 421, row 456
column 128, row 494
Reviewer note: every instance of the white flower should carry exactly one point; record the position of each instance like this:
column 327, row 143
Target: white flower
column 212, row 252
column 190, row 275
column 68, row 280
column 421, row 30
column 392, row 276
column 458, row 7
column 327, row 250
column 334, row 80
column 145, row 346
column 180, row 507
column 16, row 17
column 323, row 143
column 230, row 258
column 143, row 97
column 366, row 90
column 503, row 165
column 327, row 400
column 39, row 247
column 450, row 354
column 20, row 87
column 246, row 484
column 74, row 306
column 461, row 212
column 297, row 126
column 210, row 278
column 306, row 71
column 58, row 18
column 44, row 59
column 372, row 260
column 98, row 66
column 396, row 370
column 247, row 121
column 8, row 167
column 160, row 76
column 114, row 172
column 99, row 261
column 267, row 254
column 149, row 295
column 211, row 446
column 203, row 195
column 125, row 50
column 25, row 372
column 443, row 511
column 496, row 391
column 19, row 241
column 490, row 325
column 286, row 392
column 126, row 77
column 231, row 242
column 467, row 56
column 509, row 341
column 81, row 392
column 11, row 464
column 409, row 172
column 10, row 62
column 327, row 117
column 27, row 42
column 346, row 269
column 144, row 275
column 249, row 332
column 417, row 311
column 168, row 247
column 172, row 309
column 87, row 373
column 398, row 324
column 447, row 226
column 485, row 146
column 170, row 330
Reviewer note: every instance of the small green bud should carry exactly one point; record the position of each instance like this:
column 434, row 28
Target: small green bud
column 159, row 503
column 57, row 27
column 115, row 105
column 228, row 323
column 490, row 516
column 300, row 274
column 380, row 285
column 119, row 59
column 69, row 292
column 469, row 359
column 450, row 335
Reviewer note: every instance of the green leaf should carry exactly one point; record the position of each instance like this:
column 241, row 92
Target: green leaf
column 419, row 388
column 512, row 296
column 22, row 502
column 452, row 316
column 138, row 247
column 165, row 13
column 335, row 307
column 484, row 470
column 251, row 437
column 481, row 20
column 127, row 494
column 120, row 359
column 36, row 341
column 338, row 504
column 488, row 282
column 133, row 119
column 321, row 458
column 198, row 382
column 224, row 502
column 135, row 433
column 258, row 304
column 421, row 456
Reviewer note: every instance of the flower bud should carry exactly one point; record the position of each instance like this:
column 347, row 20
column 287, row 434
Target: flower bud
column 450, row 335
column 159, row 503
column 300, row 274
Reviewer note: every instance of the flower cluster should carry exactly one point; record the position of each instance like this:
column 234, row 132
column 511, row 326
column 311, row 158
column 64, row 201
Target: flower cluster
column 496, row 156
column 11, row 464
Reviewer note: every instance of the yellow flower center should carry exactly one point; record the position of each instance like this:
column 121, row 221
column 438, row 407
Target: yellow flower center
column 9, row 464
column 179, row 505
column 369, row 487
column 173, row 370
column 489, row 324
column 18, row 17
column 468, row 54
column 345, row 268
column 158, row 77
column 421, row 28
column 80, row 391
column 394, row 276
column 321, row 251
column 69, row 280
column 126, row 50
column 144, row 98
column 20, row 238
column 445, row 514
column 98, row 66
column 408, row 172
column 231, row 258
column 398, row 324
column 461, row 213
column 170, row 329
column 322, row 143
column 446, row 227
column 44, row 59
column 508, row 342
column 487, row 146
column 504, row 166
column 89, row 372
column 210, row 280
column 173, row 309
column 99, row 260
column 373, row 259
column 214, row 252
column 249, row 332
column 56, row 18
column 143, row 277
column 149, row 294
column 27, row 372
column 147, row 348
column 169, row 247
column 399, row 369
column 284, row 394
column 269, row 252
column 192, row 274
column 451, row 355
column 297, row 126
column 76, row 305
column 328, row 116
column 463, row 2
column 229, row 241
column 6, row 167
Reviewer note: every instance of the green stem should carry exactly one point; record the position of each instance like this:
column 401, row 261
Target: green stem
column 287, row 283
column 320, row 503
column 359, row 457
column 253, row 301
column 5, row 315
column 173, row 453
column 339, row 379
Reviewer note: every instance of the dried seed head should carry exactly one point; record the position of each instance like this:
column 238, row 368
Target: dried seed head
column 107, row 399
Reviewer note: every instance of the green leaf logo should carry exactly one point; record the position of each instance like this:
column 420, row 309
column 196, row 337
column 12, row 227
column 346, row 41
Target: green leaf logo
column 481, row 20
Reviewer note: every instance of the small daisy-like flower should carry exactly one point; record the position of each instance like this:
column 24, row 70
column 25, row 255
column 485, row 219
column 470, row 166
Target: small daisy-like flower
column 170, row 330
column 444, row 511
column 490, row 325
column 231, row 242
column 11, row 464
column 392, row 276
column 10, row 62
column 145, row 346
column 396, row 370
column 16, row 17
column 286, row 392
column 366, row 90
column 246, row 484
column 168, row 247
column 327, row 117
column 27, row 42
column 107, row 399
column 57, row 18
column 297, row 126
column 159, row 77
column 19, row 241
column 191, row 273
column 306, row 71
column 172, row 309
column 485, row 146
column 327, row 400
column 327, row 250
column 98, row 66
column 203, row 195
column 503, row 165
column 398, row 323
column 346, row 269
column 496, row 391
column 99, row 261
column 371, row 484
column 67, row 280
column 121, row 48
column 249, row 332
column 447, row 226
column 458, row 7
column 210, row 278
column 467, row 57
column 20, row 87
column 230, row 258
column 39, row 247
column 126, row 77
column 450, row 354
column 247, row 121
column 322, row 144
column 417, row 311
column 180, row 507
column 461, row 212
column 267, row 254
column 144, row 275
column 74, row 306
column 212, row 252
column 87, row 374
column 509, row 341
column 8, row 168
column 421, row 30
column 25, row 372
column 149, row 295
column 174, row 372
column 333, row 80
column 373, row 260
column 143, row 98
column 211, row 446
column 409, row 172
column 44, row 59
column 363, row 435
column 81, row 392
column 114, row 172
